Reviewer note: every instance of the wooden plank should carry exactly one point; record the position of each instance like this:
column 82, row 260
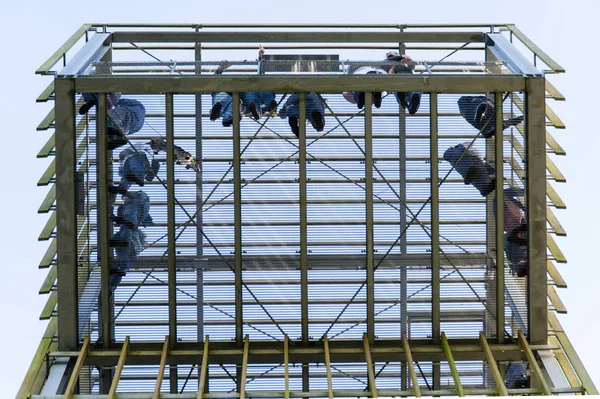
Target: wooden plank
column 370, row 370
column 45, row 95
column 244, row 368
column 47, row 121
column 286, row 370
column 554, row 119
column 115, row 382
column 555, row 275
column 553, row 91
column 555, row 250
column 489, row 357
column 48, row 174
column 564, row 363
column 161, row 368
column 554, row 171
column 554, row 197
column 533, row 364
column 46, row 233
column 203, row 369
column 47, row 148
column 49, row 281
column 77, row 369
column 554, row 223
column 49, row 307
column 411, row 366
column 553, row 144
column 58, row 54
column 49, row 255
column 446, row 347
column 46, row 205
column 559, row 306
column 327, row 366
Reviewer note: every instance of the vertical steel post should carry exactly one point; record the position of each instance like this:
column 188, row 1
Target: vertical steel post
column 103, row 224
column 303, row 232
column 499, row 156
column 237, row 215
column 369, row 217
column 66, row 219
column 171, row 245
column 536, row 209
column 435, row 233
column 199, row 198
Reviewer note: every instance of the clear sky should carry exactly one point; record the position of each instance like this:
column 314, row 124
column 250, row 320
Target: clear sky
column 34, row 29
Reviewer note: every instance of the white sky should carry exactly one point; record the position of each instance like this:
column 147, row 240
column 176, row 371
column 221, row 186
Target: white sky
column 34, row 29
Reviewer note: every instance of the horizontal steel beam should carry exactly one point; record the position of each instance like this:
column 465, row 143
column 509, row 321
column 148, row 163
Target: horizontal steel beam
column 297, row 37
column 296, row 83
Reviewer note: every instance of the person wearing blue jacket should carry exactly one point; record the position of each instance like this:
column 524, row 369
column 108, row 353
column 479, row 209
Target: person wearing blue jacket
column 129, row 240
column 515, row 229
column 257, row 104
column 315, row 112
column 125, row 116
column 396, row 63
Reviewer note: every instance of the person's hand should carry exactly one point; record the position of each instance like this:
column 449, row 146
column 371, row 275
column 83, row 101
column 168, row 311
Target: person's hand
column 407, row 58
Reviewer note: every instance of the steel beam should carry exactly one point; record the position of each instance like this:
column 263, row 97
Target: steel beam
column 435, row 232
column 499, row 244
column 504, row 50
column 370, row 246
column 536, row 210
column 93, row 50
column 302, row 191
column 193, row 84
column 244, row 368
column 411, row 366
column 66, row 218
column 237, row 217
column 199, row 196
column 286, row 363
column 297, row 37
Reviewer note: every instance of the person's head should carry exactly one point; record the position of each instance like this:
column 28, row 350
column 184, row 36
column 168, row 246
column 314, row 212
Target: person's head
column 392, row 54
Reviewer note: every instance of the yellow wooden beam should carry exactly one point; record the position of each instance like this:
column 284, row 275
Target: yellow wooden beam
column 244, row 368
column 46, row 287
column 46, row 233
column 77, row 369
column 49, row 307
column 448, row 353
column 47, row 121
column 161, row 369
column 203, row 369
column 370, row 370
column 119, row 370
column 554, row 119
column 286, row 370
column 554, row 197
column 554, row 171
column 411, row 366
column 555, row 275
column 533, row 364
column 47, row 148
column 553, row 92
column 45, row 95
column 489, row 357
column 559, row 306
column 48, row 174
column 554, row 223
column 553, row 144
column 46, row 205
column 328, row 366
column 49, row 255
column 555, row 250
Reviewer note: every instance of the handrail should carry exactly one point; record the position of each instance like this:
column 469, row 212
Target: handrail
column 535, row 49
column 54, row 58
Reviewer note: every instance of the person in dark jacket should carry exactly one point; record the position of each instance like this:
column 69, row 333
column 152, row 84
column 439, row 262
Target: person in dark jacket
column 257, row 104
column 471, row 167
column 222, row 106
column 480, row 112
column 515, row 229
column 396, row 63
column 315, row 112
column 129, row 241
column 124, row 116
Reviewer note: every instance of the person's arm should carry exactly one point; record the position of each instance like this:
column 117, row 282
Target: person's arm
column 223, row 66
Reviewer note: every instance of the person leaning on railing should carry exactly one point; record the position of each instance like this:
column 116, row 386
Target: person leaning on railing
column 257, row 104
column 396, row 63
column 480, row 112
column 315, row 112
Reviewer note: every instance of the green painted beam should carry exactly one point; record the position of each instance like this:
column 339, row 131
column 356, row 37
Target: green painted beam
column 45, row 95
column 554, row 223
column 553, row 92
column 554, row 171
column 46, row 287
column 49, row 255
column 553, row 144
column 49, row 307
column 48, row 174
column 555, row 250
column 58, row 54
column 554, row 197
column 47, row 121
column 48, row 201
column 46, row 233
column 47, row 148
column 556, row 121
column 555, row 275
column 555, row 300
